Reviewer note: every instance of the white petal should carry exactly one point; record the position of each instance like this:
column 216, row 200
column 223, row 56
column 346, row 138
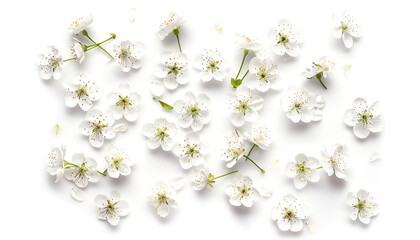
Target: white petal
column 77, row 194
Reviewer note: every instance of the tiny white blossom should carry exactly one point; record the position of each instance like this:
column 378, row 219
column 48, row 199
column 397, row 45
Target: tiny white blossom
column 118, row 162
column 298, row 104
column 246, row 43
column 128, row 54
column 81, row 91
column 211, row 66
column 233, row 148
column 193, row 111
column 50, row 63
column 334, row 160
column 111, row 208
column 285, row 38
column 81, row 170
column 160, row 133
column 162, row 198
column 125, row 103
column 364, row 118
column 263, row 75
column 172, row 21
column 260, row 135
column 173, row 69
column 202, row 179
column 362, row 205
column 241, row 191
column 244, row 106
column 320, row 69
column 346, row 27
column 56, row 162
column 98, row 126
column 191, row 151
column 77, row 51
column 80, row 24
column 303, row 170
column 289, row 213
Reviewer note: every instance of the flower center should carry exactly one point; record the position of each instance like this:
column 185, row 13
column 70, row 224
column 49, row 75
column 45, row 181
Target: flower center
column 162, row 198
column 243, row 191
column 283, row 39
column 236, row 151
column 123, row 102
column 98, row 127
column 243, row 106
column 125, row 53
column 343, row 27
column 117, row 161
column 365, row 117
column 161, row 133
column 81, row 91
column 263, row 74
column 194, row 110
column 213, row 66
column 301, row 168
column 191, row 150
column 360, row 205
column 174, row 69
column 289, row 214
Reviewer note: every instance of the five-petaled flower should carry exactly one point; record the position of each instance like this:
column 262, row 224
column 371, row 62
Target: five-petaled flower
column 289, row 213
column 244, row 106
column 363, row 118
column 303, row 170
column 162, row 198
column 190, row 151
column 241, row 191
column 202, row 179
column 246, row 43
column 125, row 103
column 320, row 69
column 81, row 170
column 98, row 126
column 118, row 161
column 211, row 66
column 129, row 54
column 173, row 69
column 193, row 111
column 263, row 75
column 50, row 62
column 233, row 148
column 285, row 38
column 173, row 21
column 299, row 104
column 362, row 205
column 346, row 28
column 81, row 91
column 111, row 208
column 56, row 162
column 260, row 135
column 160, row 133
column 334, row 160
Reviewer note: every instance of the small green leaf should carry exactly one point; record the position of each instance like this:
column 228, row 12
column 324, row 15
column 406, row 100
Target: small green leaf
column 235, row 82
column 164, row 104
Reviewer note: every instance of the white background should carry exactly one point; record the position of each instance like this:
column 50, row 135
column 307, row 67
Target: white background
column 385, row 63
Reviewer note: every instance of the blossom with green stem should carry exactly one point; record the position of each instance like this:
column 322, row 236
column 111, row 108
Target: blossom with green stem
column 233, row 148
column 241, row 191
column 203, row 178
column 171, row 24
column 81, row 170
column 320, row 69
column 50, row 63
column 56, row 162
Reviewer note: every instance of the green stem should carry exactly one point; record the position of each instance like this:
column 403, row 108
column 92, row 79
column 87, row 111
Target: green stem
column 84, row 32
column 69, row 59
column 246, row 51
column 225, row 174
column 245, row 75
column 262, row 170
column 252, row 148
column 97, row 44
column 102, row 173
column 319, row 77
column 176, row 33
column 319, row 167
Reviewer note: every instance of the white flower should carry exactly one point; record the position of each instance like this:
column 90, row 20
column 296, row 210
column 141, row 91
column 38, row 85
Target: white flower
column 298, row 104
column 162, row 198
column 320, row 69
column 77, row 51
column 173, row 21
column 289, row 213
column 317, row 110
column 303, row 170
column 191, row 152
column 193, row 111
column 118, row 162
column 244, row 42
column 285, row 38
column 129, row 54
column 233, row 148
column 263, row 75
column 111, row 208
column 362, row 206
column 244, row 106
column 241, row 191
column 173, row 69
column 334, row 160
column 125, row 103
column 211, row 66
column 80, row 24
column 98, row 126
column 346, row 28
column 160, row 133
column 202, row 179
column 81, row 91
column 81, row 170
column 363, row 118
column 50, row 62
column 56, row 162
column 260, row 135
